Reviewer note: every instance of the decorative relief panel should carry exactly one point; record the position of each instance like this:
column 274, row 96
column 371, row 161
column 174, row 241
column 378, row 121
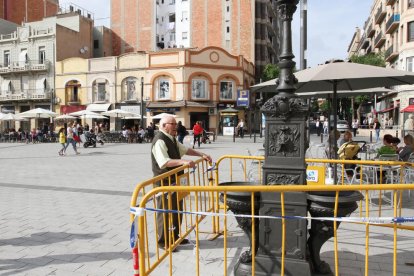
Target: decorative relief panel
column 284, row 140
column 284, row 179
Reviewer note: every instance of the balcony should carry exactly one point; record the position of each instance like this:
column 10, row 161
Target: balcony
column 24, row 67
column 370, row 31
column 390, row 2
column 392, row 23
column 390, row 55
column 25, row 95
column 365, row 43
column 379, row 40
column 380, row 15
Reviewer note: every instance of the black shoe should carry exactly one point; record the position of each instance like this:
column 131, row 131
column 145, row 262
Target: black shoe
column 184, row 242
column 161, row 245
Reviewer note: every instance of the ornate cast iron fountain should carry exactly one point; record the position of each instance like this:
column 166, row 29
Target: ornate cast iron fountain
column 285, row 146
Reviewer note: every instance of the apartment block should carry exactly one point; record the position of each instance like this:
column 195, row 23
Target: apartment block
column 28, row 56
column 19, row 11
column 248, row 28
column 389, row 30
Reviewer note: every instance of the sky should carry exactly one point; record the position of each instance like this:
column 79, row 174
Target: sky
column 331, row 25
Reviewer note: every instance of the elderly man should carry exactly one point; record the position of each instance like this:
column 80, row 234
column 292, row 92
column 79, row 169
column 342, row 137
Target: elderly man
column 166, row 155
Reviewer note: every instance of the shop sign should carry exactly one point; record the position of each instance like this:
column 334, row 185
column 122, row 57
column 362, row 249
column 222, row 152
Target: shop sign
column 243, row 97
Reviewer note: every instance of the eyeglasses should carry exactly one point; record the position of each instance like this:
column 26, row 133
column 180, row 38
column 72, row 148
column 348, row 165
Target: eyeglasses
column 174, row 124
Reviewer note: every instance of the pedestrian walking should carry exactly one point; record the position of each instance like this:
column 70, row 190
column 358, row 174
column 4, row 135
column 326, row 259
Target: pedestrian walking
column 377, row 127
column 198, row 131
column 318, row 126
column 355, row 125
column 325, row 127
column 62, row 141
column 166, row 155
column 181, row 132
column 70, row 140
column 240, row 127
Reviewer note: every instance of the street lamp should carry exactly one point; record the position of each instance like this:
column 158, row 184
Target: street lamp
column 142, row 102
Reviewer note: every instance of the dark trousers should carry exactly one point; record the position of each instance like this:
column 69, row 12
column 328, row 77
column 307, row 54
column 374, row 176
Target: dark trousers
column 355, row 131
column 163, row 222
column 197, row 138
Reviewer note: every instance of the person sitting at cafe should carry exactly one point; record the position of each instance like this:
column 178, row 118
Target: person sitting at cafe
column 390, row 145
column 405, row 152
column 346, row 138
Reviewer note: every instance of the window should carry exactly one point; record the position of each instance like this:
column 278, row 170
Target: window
column 96, row 44
column 172, row 2
column 171, row 17
column 410, row 64
column 42, row 55
column 184, row 16
column 6, row 58
column 74, row 95
column 226, row 90
column 410, row 31
column 163, row 89
column 172, row 36
column 228, row 29
column 410, row 4
column 228, row 8
column 185, row 35
column 101, row 92
column 131, row 89
column 199, row 89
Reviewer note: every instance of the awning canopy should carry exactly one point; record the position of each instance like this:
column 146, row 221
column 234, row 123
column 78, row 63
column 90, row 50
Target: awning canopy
column 409, row 108
column 98, row 107
column 182, row 103
column 386, row 109
column 5, row 86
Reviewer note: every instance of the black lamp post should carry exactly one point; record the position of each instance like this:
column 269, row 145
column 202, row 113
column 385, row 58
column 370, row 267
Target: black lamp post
column 142, row 102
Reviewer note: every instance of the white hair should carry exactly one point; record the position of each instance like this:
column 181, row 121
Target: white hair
column 165, row 119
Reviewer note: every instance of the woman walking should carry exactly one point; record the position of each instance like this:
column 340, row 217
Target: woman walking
column 377, row 127
column 198, row 131
column 70, row 140
column 62, row 141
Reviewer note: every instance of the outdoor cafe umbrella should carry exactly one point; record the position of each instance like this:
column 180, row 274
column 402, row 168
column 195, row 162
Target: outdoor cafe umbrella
column 118, row 113
column 38, row 113
column 159, row 116
column 65, row 117
column 11, row 117
column 343, row 76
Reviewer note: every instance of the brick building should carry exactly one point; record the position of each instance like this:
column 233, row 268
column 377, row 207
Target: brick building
column 19, row 11
column 248, row 28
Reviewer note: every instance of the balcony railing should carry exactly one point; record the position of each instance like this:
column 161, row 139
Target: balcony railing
column 24, row 95
column 27, row 66
column 379, row 40
column 380, row 15
column 390, row 54
column 390, row 2
column 370, row 31
column 392, row 23
column 365, row 42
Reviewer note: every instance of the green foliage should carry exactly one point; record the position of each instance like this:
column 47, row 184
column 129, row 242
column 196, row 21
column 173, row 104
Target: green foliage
column 375, row 59
column 325, row 106
column 314, row 106
column 271, row 71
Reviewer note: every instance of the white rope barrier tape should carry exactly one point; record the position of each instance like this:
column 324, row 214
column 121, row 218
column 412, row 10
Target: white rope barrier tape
column 369, row 220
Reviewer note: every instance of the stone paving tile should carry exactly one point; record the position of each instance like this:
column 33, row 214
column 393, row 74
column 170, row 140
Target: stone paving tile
column 92, row 214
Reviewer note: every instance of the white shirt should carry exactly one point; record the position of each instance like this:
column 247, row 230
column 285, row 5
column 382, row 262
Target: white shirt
column 160, row 151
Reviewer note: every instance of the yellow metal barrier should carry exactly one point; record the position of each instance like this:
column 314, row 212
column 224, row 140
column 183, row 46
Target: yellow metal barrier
column 202, row 211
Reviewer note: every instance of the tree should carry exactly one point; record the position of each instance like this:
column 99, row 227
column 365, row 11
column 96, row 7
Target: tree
column 271, row 71
column 375, row 59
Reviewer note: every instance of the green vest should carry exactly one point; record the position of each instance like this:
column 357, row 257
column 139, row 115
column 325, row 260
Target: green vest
column 172, row 151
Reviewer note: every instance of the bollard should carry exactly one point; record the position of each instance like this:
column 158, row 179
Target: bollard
column 396, row 133
column 370, row 136
column 234, row 135
column 321, row 138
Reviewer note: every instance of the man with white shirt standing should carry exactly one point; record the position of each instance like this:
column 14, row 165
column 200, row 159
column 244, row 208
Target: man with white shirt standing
column 166, row 155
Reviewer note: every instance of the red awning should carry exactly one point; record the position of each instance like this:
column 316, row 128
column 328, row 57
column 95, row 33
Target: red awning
column 386, row 110
column 409, row 108
column 65, row 109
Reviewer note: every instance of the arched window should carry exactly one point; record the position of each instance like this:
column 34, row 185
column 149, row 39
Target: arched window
column 72, row 90
column 163, row 89
column 100, row 88
column 130, row 89
column 227, row 90
column 199, row 89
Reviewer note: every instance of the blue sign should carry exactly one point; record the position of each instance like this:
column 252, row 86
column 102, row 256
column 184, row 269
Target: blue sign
column 243, row 98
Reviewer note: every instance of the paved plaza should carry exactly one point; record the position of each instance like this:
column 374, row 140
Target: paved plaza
column 70, row 215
